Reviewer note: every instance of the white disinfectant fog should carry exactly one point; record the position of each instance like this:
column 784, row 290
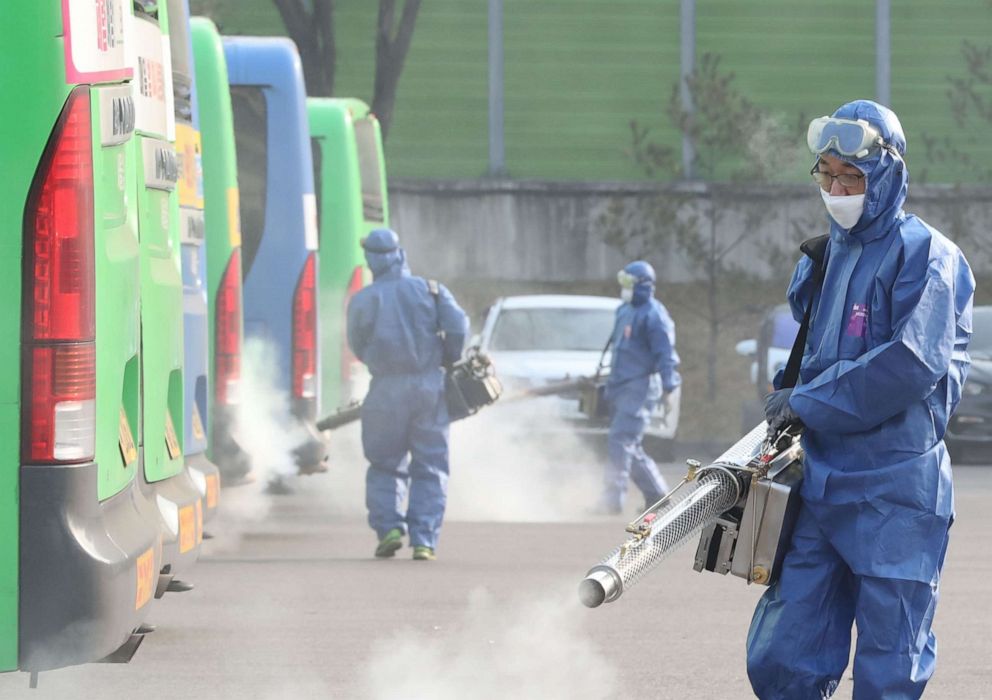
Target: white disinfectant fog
column 530, row 649
column 266, row 431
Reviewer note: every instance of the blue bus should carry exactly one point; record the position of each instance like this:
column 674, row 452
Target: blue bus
column 193, row 261
column 279, row 223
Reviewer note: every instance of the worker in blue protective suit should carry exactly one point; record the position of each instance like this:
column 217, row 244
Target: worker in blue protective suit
column 407, row 330
column 643, row 371
column 881, row 374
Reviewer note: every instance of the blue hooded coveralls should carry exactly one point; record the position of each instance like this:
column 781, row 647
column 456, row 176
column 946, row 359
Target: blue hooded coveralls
column 644, row 362
column 393, row 327
column 882, row 372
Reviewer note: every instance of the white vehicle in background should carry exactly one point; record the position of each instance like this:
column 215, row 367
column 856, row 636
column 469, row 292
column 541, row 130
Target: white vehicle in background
column 537, row 339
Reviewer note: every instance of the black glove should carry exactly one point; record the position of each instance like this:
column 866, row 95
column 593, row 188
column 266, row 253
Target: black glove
column 778, row 410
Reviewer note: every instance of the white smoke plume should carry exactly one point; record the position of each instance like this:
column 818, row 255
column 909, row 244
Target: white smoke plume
column 525, row 649
column 516, row 462
column 521, row 462
column 267, row 432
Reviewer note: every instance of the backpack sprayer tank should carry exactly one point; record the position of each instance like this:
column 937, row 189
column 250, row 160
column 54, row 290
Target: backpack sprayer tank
column 745, row 505
column 470, row 385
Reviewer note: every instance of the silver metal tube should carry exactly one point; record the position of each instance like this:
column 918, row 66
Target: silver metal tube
column 695, row 505
column 689, row 508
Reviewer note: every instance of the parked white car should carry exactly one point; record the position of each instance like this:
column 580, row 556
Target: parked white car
column 542, row 338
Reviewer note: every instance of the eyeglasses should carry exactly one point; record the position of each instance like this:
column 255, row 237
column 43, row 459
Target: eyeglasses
column 848, row 181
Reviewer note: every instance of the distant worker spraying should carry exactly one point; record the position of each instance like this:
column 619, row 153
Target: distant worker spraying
column 644, row 371
column 407, row 330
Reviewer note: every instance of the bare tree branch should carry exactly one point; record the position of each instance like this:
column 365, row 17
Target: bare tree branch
column 391, row 47
column 313, row 32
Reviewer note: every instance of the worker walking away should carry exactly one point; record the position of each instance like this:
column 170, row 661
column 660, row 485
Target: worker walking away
column 407, row 330
column 643, row 371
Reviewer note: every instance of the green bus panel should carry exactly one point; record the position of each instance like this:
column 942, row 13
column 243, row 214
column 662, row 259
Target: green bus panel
column 161, row 321
column 25, row 123
column 117, row 303
column 161, row 277
column 350, row 181
column 220, row 165
column 221, row 213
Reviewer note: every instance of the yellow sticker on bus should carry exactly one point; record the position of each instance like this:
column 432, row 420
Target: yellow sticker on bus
column 171, row 440
column 189, row 151
column 198, row 431
column 234, row 216
column 125, row 439
column 145, row 584
column 213, row 490
column 187, row 528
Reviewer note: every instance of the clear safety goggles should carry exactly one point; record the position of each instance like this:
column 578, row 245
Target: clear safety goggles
column 849, row 137
column 626, row 280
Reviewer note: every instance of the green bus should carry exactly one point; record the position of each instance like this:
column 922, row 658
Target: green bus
column 78, row 556
column 223, row 237
column 350, row 182
column 167, row 482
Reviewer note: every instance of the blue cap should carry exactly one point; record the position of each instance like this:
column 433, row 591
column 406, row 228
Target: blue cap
column 381, row 240
column 640, row 270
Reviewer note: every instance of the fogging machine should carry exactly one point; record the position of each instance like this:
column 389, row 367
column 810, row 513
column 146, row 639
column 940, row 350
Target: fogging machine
column 743, row 506
column 470, row 385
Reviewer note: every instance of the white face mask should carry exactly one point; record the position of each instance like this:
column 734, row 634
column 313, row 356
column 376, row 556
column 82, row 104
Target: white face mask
column 626, row 294
column 846, row 210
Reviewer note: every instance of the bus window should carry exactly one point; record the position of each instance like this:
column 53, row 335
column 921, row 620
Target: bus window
column 368, row 165
column 251, row 141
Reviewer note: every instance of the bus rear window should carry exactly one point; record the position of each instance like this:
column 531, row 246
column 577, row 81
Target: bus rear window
column 368, row 166
column 251, row 143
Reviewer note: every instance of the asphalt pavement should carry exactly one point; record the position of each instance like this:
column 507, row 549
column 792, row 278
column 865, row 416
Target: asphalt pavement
column 289, row 602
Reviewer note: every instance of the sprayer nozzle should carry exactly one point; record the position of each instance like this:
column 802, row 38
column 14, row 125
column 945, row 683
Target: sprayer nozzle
column 591, row 593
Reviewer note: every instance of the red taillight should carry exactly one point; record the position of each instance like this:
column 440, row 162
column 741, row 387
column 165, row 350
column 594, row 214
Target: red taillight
column 227, row 359
column 305, row 331
column 349, row 362
column 59, row 313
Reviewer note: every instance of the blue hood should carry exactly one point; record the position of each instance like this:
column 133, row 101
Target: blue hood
column 382, row 264
column 886, row 173
column 643, row 292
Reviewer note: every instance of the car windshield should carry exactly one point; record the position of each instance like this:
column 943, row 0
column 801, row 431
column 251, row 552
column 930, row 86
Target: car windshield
column 552, row 329
column 981, row 333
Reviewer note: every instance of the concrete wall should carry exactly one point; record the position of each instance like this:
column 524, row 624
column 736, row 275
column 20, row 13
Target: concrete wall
column 553, row 232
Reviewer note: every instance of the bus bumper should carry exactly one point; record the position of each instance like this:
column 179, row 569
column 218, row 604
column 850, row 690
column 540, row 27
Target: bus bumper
column 178, row 509
column 87, row 567
column 206, row 477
